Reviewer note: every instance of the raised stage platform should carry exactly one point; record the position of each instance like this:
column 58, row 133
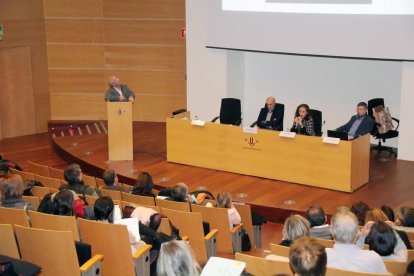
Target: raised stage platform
column 86, row 143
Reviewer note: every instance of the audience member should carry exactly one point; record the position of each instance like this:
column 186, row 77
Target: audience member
column 111, row 180
column 295, row 227
column 63, row 203
column 177, row 259
column 179, row 193
column 405, row 219
column 73, row 175
column 303, row 122
column 376, row 214
column 224, row 200
column 383, row 240
column 307, row 257
column 144, row 185
column 345, row 254
column 359, row 124
column 269, row 116
column 360, row 209
column 317, row 220
column 12, row 193
column 389, row 212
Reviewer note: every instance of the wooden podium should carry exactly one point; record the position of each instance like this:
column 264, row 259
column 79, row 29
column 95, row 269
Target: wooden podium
column 120, row 145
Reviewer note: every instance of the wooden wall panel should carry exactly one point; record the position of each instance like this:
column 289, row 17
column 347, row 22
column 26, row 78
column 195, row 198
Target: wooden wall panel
column 94, row 81
column 93, row 107
column 165, row 9
column 21, row 9
column 75, row 56
column 137, row 40
column 144, row 31
column 78, row 106
column 17, row 111
column 74, row 31
column 76, row 81
column 145, row 57
column 156, row 108
column 73, row 8
column 24, row 26
column 153, row 82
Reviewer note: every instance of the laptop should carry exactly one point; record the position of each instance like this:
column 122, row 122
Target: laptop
column 338, row 134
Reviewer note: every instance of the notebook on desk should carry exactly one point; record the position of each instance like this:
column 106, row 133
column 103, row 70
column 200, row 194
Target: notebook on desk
column 338, row 134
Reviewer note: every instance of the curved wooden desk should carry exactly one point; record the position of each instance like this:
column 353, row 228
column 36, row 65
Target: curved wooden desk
column 303, row 159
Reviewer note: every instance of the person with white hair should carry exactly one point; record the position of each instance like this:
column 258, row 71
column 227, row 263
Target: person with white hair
column 118, row 92
column 177, row 259
column 345, row 254
column 269, row 116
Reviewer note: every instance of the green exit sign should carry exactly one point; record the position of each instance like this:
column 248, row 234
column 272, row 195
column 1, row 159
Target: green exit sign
column 1, row 29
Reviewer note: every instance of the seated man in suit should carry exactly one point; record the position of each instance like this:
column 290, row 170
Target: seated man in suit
column 118, row 92
column 359, row 124
column 318, row 222
column 270, row 117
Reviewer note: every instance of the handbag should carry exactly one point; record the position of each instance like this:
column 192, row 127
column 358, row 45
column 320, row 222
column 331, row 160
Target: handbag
column 246, row 244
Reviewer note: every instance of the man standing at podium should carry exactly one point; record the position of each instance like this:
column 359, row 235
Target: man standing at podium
column 118, row 92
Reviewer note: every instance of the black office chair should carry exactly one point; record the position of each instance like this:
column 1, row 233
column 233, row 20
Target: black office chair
column 317, row 121
column 277, row 106
column 230, row 112
column 382, row 137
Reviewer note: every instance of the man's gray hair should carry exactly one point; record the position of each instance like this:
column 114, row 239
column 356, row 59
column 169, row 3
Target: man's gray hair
column 344, row 227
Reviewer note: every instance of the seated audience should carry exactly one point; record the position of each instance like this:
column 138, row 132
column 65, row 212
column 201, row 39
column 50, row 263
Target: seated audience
column 63, row 203
column 179, row 193
column 359, row 124
column 317, row 220
column 144, row 185
column 303, row 122
column 295, row 227
column 391, row 218
column 360, row 209
column 104, row 212
column 111, row 180
column 389, row 212
column 308, row 257
column 345, row 254
column 224, row 200
column 177, row 258
column 383, row 240
column 12, row 193
column 269, row 116
column 143, row 214
column 73, row 175
column 405, row 219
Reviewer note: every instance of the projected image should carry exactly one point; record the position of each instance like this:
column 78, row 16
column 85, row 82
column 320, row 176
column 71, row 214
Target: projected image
column 323, row 6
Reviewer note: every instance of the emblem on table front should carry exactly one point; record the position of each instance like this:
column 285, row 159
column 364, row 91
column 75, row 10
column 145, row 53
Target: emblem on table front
column 120, row 111
column 251, row 141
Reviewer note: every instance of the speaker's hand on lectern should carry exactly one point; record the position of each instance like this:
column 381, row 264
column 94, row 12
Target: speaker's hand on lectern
column 131, row 99
column 121, row 98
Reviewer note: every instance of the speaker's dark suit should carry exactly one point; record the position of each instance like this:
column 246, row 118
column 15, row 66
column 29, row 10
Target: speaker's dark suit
column 275, row 122
column 112, row 95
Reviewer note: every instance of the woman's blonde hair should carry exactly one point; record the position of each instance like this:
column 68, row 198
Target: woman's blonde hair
column 375, row 215
column 223, row 200
column 176, row 259
column 295, row 227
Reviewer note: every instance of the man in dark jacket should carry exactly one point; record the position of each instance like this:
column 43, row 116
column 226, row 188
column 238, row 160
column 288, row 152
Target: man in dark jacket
column 359, row 124
column 269, row 116
column 118, row 92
